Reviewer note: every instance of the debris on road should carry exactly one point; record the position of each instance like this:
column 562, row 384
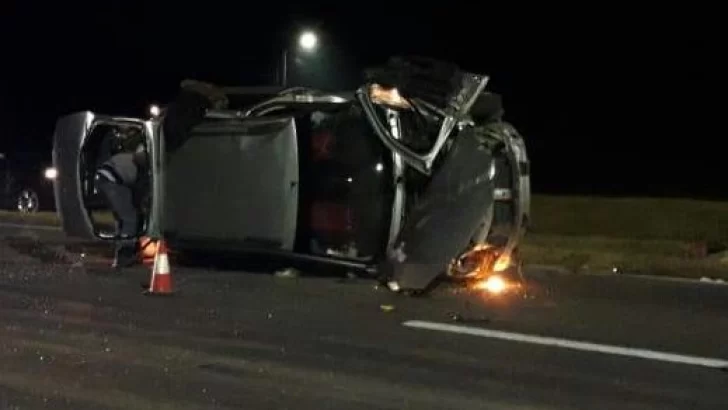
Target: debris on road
column 44, row 252
column 350, row 277
column 460, row 318
column 288, row 273
column 386, row 308
column 455, row 317
column 716, row 281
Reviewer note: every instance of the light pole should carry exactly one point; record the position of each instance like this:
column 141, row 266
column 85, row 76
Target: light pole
column 307, row 41
column 284, row 70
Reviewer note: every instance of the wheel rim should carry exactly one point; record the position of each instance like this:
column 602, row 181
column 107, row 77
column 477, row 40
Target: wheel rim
column 27, row 201
column 473, row 263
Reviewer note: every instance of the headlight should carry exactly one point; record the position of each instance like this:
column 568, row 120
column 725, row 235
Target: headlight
column 50, row 173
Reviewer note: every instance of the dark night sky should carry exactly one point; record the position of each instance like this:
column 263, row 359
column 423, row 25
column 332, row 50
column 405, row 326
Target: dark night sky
column 611, row 102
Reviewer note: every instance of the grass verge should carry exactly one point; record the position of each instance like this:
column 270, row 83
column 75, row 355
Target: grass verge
column 39, row 218
column 672, row 237
column 632, row 218
column 581, row 254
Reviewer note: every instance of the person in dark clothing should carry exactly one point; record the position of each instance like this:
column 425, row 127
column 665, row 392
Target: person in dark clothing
column 119, row 177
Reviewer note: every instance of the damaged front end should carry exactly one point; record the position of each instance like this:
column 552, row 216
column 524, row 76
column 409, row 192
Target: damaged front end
column 488, row 268
column 463, row 163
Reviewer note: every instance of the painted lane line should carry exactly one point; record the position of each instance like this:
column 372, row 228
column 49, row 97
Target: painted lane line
column 31, row 227
column 571, row 344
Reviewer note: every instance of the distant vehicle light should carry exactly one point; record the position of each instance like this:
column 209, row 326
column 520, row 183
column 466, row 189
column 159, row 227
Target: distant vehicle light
column 50, row 173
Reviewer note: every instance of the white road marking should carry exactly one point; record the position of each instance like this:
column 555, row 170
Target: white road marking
column 571, row 344
column 31, row 227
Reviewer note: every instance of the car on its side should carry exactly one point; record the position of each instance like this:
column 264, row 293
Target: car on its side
column 413, row 175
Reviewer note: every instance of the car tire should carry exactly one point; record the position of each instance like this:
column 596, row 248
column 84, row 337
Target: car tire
column 27, row 201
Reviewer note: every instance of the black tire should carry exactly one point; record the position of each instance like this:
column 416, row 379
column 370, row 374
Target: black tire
column 27, row 201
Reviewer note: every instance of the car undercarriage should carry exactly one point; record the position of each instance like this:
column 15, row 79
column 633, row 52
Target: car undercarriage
column 411, row 176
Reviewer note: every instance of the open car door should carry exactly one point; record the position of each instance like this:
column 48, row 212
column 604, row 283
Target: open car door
column 81, row 143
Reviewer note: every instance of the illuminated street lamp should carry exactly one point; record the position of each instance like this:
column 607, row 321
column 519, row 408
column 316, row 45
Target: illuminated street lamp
column 307, row 41
column 154, row 110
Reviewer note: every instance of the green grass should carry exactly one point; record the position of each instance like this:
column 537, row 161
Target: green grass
column 635, row 218
column 640, row 235
column 580, row 254
column 635, row 235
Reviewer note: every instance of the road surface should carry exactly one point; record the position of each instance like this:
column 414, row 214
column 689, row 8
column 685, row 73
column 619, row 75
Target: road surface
column 74, row 335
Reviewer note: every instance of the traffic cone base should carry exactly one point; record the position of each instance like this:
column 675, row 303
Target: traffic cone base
column 161, row 281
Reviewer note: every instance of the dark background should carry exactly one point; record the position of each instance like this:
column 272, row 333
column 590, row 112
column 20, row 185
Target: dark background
column 612, row 101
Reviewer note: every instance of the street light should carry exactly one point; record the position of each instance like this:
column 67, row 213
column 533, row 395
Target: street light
column 154, row 110
column 307, row 41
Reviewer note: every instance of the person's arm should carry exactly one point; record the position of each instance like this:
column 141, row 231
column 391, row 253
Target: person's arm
column 140, row 157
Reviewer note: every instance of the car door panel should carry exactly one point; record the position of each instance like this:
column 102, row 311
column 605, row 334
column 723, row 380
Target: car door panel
column 68, row 140
column 453, row 207
column 71, row 185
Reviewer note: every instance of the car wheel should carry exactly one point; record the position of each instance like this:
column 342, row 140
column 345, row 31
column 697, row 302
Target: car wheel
column 27, row 201
column 473, row 263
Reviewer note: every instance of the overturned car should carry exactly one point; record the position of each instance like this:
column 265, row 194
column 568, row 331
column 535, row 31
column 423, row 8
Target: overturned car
column 412, row 176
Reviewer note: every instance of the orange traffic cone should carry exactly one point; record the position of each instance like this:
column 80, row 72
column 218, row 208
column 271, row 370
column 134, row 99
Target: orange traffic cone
column 147, row 250
column 161, row 282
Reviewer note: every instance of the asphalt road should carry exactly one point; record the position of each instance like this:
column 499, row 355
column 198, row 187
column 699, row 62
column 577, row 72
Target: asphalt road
column 74, row 335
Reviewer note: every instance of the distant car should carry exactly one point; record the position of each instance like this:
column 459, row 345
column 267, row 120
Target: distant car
column 26, row 183
column 403, row 180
